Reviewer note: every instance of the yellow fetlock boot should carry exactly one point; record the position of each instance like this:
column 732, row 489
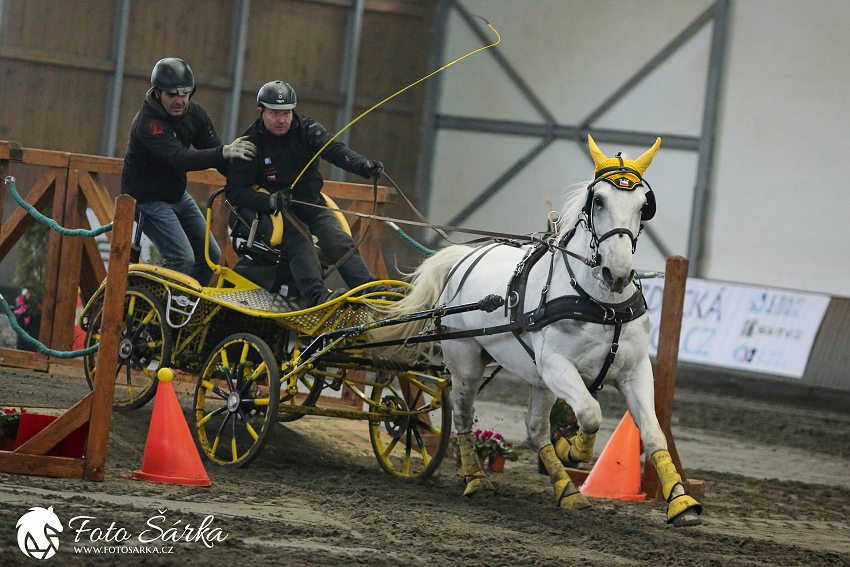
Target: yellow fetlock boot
column 682, row 510
column 470, row 467
column 576, row 449
column 567, row 495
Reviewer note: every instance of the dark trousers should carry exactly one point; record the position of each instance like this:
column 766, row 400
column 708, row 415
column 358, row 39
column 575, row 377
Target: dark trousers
column 333, row 241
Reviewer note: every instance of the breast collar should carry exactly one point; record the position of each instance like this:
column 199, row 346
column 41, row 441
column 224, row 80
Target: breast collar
column 580, row 307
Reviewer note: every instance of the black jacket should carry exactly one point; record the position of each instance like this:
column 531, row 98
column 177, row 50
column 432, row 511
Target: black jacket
column 158, row 154
column 281, row 158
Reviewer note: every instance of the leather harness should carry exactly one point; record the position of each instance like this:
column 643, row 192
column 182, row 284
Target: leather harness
column 580, row 307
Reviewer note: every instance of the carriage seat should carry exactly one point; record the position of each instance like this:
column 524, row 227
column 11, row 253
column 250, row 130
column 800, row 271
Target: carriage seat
column 260, row 260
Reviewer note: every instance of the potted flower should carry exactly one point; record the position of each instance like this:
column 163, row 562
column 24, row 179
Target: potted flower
column 10, row 419
column 493, row 447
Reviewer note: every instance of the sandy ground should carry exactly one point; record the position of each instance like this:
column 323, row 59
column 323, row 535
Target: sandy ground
column 777, row 493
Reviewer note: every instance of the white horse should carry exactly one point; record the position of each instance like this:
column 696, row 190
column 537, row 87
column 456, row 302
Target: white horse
column 586, row 273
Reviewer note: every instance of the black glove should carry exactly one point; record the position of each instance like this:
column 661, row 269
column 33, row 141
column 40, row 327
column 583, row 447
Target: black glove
column 373, row 169
column 279, row 201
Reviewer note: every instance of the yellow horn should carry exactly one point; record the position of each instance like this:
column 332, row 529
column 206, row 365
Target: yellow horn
column 643, row 161
column 595, row 152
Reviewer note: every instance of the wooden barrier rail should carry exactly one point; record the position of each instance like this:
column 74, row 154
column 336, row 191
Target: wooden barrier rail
column 96, row 408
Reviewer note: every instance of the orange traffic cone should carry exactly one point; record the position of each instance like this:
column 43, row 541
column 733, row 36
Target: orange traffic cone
column 616, row 475
column 170, row 453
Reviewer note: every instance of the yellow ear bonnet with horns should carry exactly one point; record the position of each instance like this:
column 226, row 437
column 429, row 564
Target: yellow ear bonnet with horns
column 621, row 180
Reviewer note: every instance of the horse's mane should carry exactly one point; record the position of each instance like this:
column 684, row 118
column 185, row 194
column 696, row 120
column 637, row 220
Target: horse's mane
column 576, row 195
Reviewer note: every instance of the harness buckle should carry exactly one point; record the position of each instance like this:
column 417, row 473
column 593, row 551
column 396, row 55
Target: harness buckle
column 614, row 347
column 513, row 299
column 605, row 316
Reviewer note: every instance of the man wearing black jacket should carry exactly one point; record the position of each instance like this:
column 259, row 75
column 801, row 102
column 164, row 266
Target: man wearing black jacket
column 158, row 157
column 286, row 141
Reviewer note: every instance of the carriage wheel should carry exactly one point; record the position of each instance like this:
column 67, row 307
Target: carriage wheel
column 145, row 346
column 236, row 400
column 413, row 445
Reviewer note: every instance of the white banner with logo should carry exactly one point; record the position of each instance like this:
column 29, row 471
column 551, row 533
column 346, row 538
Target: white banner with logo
column 750, row 328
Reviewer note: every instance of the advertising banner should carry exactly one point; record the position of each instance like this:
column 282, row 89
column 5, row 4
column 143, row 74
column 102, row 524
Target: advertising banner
column 751, row 328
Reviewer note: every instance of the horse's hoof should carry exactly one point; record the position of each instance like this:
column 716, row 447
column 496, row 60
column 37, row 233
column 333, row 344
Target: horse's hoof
column 571, row 498
column 479, row 486
column 575, row 501
column 688, row 518
column 683, row 510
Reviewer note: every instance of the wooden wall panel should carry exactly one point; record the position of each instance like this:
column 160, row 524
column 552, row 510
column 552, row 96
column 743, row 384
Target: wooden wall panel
column 298, row 42
column 60, row 53
column 51, row 108
column 391, row 58
column 81, row 27
column 197, row 31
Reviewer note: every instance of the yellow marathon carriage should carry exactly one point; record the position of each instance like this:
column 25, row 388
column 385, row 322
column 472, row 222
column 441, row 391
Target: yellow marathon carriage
column 260, row 360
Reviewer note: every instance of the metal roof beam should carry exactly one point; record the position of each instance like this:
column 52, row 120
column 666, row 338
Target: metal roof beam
column 562, row 132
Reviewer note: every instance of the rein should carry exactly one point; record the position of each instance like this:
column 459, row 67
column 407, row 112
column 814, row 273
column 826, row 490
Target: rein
column 534, row 238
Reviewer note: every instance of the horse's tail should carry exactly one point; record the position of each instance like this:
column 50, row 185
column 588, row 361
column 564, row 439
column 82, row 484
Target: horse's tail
column 428, row 281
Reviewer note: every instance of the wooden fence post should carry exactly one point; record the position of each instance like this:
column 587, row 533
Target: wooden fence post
column 110, row 337
column 666, row 362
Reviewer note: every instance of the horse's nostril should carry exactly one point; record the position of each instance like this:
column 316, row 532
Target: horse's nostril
column 606, row 274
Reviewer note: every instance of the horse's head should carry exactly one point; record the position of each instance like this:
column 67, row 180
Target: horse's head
column 615, row 211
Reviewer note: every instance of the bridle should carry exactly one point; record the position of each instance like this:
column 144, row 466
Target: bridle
column 585, row 218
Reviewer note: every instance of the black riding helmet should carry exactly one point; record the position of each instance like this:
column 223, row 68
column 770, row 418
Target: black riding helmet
column 173, row 76
column 276, row 95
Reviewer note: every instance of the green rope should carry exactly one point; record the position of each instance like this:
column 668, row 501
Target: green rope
column 34, row 342
column 409, row 240
column 10, row 181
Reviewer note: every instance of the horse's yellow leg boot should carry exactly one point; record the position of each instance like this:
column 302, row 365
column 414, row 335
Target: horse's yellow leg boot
column 669, row 478
column 576, row 449
column 470, row 467
column 566, row 494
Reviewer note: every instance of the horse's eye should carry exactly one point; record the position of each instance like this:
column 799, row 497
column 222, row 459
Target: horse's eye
column 598, row 201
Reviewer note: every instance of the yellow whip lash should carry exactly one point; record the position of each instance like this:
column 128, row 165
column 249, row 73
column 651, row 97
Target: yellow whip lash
column 498, row 40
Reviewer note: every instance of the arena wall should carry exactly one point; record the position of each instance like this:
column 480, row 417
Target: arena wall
column 773, row 217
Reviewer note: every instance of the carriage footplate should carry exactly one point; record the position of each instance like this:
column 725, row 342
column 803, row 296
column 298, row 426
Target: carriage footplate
column 258, row 299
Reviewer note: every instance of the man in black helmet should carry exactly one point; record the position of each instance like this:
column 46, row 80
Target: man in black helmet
column 286, row 141
column 158, row 157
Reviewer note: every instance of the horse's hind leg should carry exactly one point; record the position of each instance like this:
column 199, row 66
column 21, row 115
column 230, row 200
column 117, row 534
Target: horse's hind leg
column 466, row 361
column 537, row 421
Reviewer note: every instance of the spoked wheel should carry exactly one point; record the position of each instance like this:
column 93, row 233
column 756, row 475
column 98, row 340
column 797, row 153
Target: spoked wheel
column 413, row 444
column 145, row 346
column 236, row 400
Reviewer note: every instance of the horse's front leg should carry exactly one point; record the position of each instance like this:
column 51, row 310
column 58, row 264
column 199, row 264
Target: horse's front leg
column 639, row 391
column 466, row 361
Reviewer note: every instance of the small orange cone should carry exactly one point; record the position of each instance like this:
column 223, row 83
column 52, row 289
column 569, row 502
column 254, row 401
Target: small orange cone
column 616, row 475
column 170, row 453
